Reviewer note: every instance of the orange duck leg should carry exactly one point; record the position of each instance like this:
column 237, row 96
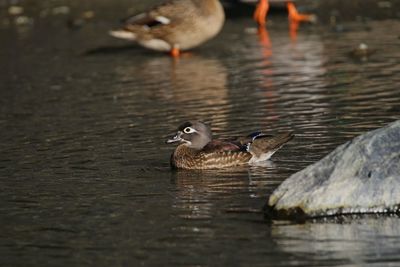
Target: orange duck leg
column 294, row 15
column 175, row 52
column 261, row 12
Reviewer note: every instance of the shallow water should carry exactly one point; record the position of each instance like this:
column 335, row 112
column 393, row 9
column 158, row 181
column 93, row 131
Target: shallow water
column 84, row 169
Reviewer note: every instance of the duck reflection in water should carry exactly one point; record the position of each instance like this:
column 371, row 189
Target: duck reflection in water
column 198, row 192
column 193, row 87
column 197, row 189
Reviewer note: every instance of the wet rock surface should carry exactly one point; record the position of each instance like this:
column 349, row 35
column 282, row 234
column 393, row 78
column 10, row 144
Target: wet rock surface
column 360, row 176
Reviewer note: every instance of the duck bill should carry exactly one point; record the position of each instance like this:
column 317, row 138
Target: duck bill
column 176, row 138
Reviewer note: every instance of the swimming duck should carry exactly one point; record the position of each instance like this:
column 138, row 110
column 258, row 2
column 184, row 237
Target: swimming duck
column 197, row 149
column 175, row 25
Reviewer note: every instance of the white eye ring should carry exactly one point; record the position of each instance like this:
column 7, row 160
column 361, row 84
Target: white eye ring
column 189, row 130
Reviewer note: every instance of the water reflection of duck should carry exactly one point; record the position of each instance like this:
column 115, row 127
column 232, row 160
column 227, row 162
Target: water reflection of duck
column 174, row 25
column 198, row 191
column 197, row 149
column 189, row 84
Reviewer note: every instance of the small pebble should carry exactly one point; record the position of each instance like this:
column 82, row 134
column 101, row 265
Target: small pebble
column 88, row 14
column 75, row 23
column 15, row 10
column 252, row 30
column 384, row 4
column 61, row 10
column 23, row 20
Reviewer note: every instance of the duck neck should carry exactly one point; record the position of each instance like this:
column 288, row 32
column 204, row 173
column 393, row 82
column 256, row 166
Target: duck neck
column 184, row 150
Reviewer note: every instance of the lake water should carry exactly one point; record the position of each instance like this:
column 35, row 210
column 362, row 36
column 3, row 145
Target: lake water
column 84, row 172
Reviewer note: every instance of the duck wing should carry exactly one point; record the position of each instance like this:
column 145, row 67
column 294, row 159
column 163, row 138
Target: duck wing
column 221, row 146
column 256, row 143
column 166, row 13
column 243, row 141
column 263, row 144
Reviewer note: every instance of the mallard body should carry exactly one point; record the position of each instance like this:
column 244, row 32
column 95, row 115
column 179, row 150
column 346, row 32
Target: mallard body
column 174, row 25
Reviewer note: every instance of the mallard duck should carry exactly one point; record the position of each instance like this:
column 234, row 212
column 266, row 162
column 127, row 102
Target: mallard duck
column 174, row 26
column 197, row 149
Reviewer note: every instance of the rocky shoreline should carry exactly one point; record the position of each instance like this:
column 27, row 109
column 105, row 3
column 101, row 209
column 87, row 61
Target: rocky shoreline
column 360, row 176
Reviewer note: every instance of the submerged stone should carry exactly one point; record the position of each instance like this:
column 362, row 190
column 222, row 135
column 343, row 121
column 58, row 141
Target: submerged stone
column 360, row 176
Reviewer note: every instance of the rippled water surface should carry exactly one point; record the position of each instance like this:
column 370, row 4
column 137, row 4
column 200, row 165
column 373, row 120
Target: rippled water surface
column 84, row 170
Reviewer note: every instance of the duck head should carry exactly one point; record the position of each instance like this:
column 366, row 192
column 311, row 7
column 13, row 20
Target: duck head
column 194, row 134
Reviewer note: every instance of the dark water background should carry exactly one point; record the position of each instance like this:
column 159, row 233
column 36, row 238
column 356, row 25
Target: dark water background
column 84, row 174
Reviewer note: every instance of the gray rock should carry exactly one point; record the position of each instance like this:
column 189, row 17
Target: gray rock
column 360, row 176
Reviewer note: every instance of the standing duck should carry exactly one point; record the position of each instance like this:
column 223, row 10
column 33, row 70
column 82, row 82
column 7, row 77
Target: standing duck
column 174, row 26
column 197, row 149
column 262, row 8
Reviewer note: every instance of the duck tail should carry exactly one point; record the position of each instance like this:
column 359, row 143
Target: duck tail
column 263, row 146
column 123, row 34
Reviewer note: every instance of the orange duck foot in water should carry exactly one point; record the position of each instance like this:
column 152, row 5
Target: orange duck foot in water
column 295, row 16
column 175, row 52
column 260, row 14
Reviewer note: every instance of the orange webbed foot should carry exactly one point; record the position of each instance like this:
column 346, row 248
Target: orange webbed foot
column 260, row 14
column 295, row 16
column 175, row 52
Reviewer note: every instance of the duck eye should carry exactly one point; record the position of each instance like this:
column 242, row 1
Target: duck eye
column 189, row 130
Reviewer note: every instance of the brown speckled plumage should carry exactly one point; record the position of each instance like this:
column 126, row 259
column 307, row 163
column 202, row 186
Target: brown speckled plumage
column 188, row 158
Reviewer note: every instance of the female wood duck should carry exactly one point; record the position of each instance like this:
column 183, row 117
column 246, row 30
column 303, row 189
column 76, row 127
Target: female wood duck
column 175, row 25
column 199, row 151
